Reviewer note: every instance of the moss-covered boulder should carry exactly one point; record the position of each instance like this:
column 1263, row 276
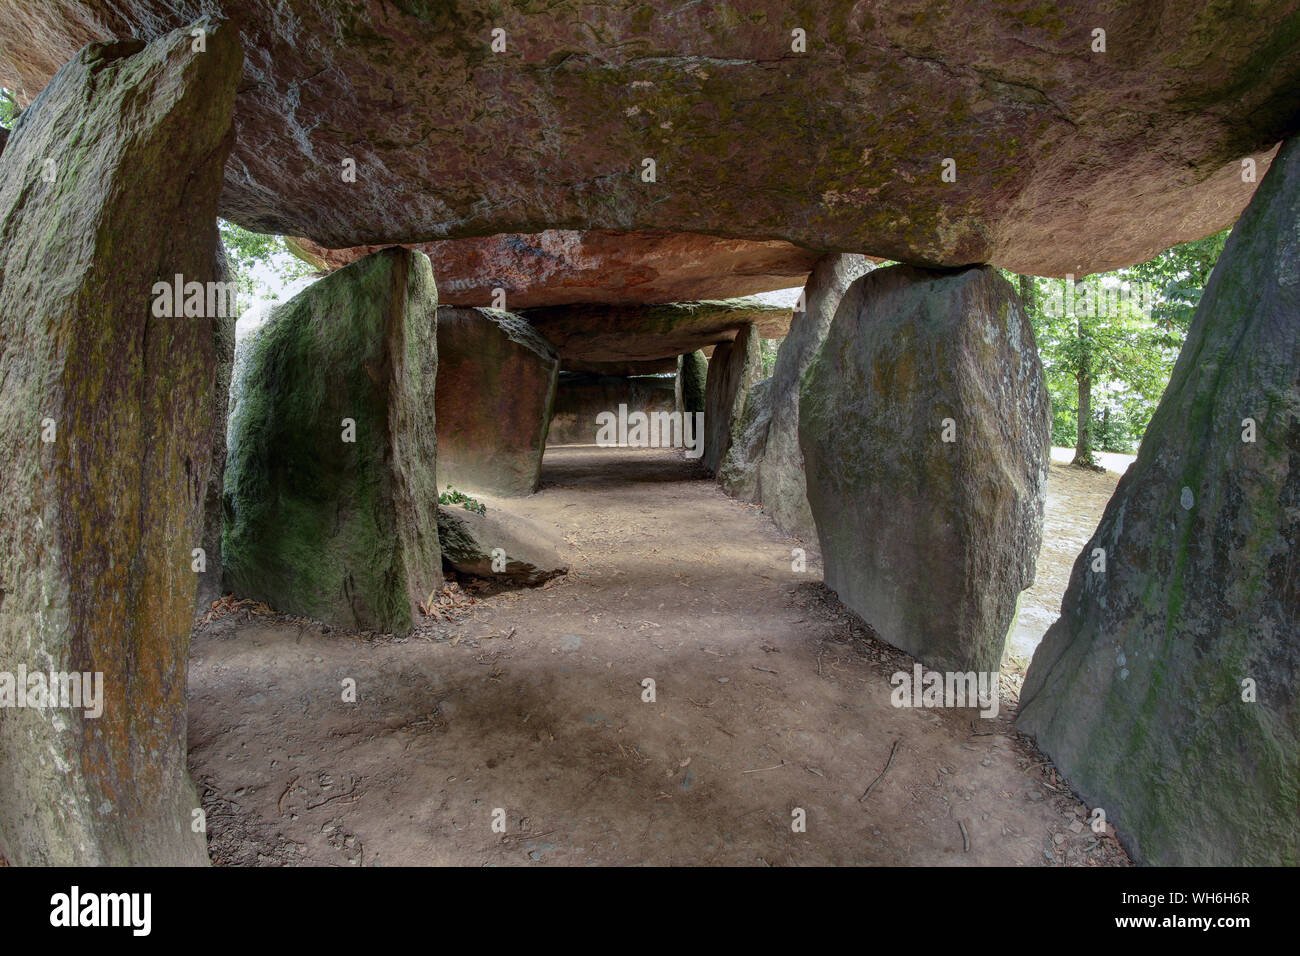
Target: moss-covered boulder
column 330, row 498
column 780, row 484
column 1168, row 692
column 692, row 376
column 109, row 184
column 924, row 424
column 496, row 390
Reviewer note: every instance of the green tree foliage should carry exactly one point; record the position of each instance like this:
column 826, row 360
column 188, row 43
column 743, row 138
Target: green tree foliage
column 262, row 263
column 8, row 108
column 1109, row 342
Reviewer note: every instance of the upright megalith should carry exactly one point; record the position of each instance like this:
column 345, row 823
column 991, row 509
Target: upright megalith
column 223, row 342
column 692, row 375
column 1168, row 692
column 330, row 500
column 108, row 187
column 496, row 390
column 738, row 471
column 924, row 425
column 733, row 369
column 581, row 401
column 763, row 462
column 780, row 483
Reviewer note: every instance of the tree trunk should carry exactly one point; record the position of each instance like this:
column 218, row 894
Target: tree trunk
column 1027, row 295
column 1083, row 448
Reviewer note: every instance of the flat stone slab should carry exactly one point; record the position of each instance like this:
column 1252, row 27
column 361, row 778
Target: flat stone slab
column 500, row 545
column 1064, row 158
column 595, row 333
column 566, row 267
column 581, row 399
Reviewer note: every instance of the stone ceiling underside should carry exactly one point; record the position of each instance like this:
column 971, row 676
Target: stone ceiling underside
column 1067, row 160
column 560, row 266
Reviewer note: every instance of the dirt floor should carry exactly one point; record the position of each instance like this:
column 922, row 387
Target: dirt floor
column 769, row 699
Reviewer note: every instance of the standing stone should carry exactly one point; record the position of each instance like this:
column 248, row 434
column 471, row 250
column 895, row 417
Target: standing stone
column 781, row 484
column 496, row 390
column 692, row 374
column 733, row 369
column 97, row 523
column 1139, row 691
column 223, row 341
column 330, row 500
column 581, row 398
column 738, row 473
column 929, row 540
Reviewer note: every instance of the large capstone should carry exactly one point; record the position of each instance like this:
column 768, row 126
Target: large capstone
column 924, row 424
column 663, row 366
column 944, row 136
column 1168, row 692
column 330, row 500
column 108, row 187
column 734, row 368
column 565, row 266
column 582, row 400
column 496, row 389
column 610, row 333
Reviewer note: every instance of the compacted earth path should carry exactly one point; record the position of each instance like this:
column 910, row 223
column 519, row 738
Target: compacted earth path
column 516, row 728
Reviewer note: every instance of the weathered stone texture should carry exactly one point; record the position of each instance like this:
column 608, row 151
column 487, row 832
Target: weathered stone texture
column 664, row 366
column 97, row 526
column 343, row 531
column 767, row 466
column 496, row 390
column 566, row 267
column 692, row 377
column 1132, row 150
column 223, row 341
column 638, row 333
column 929, row 541
column 1137, row 690
column 733, row 369
column 738, row 472
column 579, row 399
column 530, row 554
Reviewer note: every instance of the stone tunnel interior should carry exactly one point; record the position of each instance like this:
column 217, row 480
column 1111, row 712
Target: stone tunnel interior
column 707, row 438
